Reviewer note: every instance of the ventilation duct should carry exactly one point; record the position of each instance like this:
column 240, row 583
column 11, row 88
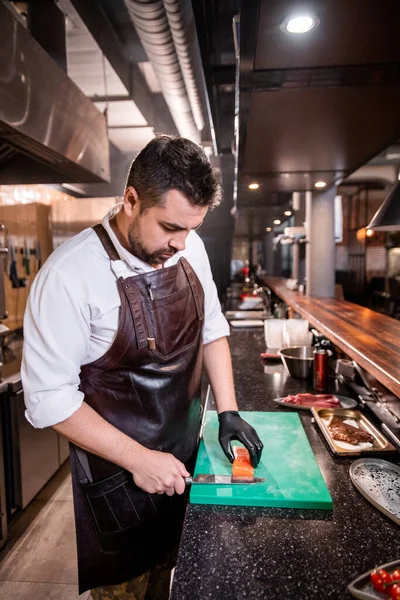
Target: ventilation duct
column 183, row 29
column 49, row 131
column 167, row 33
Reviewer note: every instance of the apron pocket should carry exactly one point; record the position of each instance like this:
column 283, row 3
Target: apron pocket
column 118, row 508
column 173, row 322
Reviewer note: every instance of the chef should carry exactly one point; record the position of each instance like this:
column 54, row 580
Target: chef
column 119, row 322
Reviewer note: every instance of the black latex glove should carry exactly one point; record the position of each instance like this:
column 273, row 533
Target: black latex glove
column 233, row 427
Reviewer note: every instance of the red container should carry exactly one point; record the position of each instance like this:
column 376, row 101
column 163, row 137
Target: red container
column 320, row 370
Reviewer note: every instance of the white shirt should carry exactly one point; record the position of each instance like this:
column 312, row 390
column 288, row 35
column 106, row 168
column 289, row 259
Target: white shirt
column 72, row 317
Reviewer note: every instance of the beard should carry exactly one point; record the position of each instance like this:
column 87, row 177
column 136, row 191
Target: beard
column 138, row 249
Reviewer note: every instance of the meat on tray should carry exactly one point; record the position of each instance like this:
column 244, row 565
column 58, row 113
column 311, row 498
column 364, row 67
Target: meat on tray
column 318, row 400
column 342, row 432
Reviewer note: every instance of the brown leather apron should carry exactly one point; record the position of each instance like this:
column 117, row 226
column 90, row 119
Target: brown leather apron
column 148, row 386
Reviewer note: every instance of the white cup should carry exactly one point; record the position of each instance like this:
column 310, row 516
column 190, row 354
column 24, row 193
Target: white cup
column 296, row 333
column 273, row 330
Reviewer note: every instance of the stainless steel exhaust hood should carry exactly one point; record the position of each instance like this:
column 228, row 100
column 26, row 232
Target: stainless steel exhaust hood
column 387, row 218
column 50, row 132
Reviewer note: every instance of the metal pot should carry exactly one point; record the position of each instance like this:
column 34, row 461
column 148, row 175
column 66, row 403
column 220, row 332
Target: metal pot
column 298, row 360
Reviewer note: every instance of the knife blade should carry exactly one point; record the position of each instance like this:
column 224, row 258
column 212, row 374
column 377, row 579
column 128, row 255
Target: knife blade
column 221, row 480
column 204, row 413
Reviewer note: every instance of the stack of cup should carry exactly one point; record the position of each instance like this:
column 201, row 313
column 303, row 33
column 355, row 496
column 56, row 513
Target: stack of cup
column 296, row 333
column 274, row 330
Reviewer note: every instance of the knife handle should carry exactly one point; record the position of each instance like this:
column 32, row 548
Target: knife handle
column 188, row 480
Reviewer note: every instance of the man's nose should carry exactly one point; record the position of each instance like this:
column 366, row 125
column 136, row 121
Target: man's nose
column 178, row 242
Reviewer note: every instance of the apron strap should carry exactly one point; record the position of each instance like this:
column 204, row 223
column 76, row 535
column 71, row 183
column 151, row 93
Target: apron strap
column 106, row 241
column 135, row 305
column 194, row 286
column 130, row 291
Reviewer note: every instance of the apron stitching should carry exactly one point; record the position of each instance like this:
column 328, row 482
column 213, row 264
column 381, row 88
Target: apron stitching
column 167, row 357
column 112, row 512
column 88, row 504
column 133, row 506
column 149, row 325
column 193, row 286
column 137, row 317
column 161, row 333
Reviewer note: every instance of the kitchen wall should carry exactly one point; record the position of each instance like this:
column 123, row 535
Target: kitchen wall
column 71, row 217
column 27, row 235
column 37, row 219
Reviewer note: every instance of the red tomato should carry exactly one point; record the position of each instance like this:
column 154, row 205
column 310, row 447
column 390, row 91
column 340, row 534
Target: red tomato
column 396, row 575
column 379, row 578
column 395, row 591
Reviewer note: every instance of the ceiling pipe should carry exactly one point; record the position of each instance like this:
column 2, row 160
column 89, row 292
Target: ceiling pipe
column 183, row 29
column 153, row 28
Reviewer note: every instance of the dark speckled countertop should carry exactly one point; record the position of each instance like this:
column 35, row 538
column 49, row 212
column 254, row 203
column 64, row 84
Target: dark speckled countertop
column 242, row 553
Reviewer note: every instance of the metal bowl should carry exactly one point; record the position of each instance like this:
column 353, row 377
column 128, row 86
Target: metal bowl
column 298, row 360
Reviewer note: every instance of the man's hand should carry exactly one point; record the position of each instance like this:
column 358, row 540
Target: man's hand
column 159, row 473
column 233, row 427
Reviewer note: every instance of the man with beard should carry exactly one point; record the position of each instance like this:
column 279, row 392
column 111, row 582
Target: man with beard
column 120, row 320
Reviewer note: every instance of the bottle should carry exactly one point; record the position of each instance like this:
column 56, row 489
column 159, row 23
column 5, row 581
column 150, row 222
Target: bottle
column 320, row 369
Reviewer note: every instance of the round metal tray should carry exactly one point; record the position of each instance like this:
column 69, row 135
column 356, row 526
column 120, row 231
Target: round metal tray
column 379, row 482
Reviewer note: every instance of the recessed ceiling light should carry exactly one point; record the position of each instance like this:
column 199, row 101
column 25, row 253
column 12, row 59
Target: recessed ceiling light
column 287, row 213
column 277, row 222
column 268, row 229
column 299, row 24
column 320, row 184
column 253, row 186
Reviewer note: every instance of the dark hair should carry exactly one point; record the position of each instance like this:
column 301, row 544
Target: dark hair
column 173, row 163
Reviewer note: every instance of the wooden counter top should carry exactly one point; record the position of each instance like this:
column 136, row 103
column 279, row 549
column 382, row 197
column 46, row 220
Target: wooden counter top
column 368, row 337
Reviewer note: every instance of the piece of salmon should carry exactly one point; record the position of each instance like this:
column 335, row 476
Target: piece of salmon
column 241, row 466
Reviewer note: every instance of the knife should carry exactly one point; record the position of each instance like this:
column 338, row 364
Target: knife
column 375, row 397
column 204, row 413
column 221, row 480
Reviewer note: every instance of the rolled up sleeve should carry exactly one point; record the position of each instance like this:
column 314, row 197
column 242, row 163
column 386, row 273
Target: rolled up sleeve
column 56, row 338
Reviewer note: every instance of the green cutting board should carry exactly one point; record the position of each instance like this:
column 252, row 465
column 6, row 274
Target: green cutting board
column 292, row 476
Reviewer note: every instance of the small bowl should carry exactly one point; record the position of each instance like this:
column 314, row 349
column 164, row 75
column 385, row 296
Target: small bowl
column 298, row 360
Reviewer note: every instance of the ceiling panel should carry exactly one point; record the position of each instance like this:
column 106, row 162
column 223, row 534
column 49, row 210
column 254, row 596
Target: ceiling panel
column 87, row 67
column 122, row 113
column 130, row 139
column 350, row 32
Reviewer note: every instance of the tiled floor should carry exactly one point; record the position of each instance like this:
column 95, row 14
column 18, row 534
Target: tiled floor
column 39, row 562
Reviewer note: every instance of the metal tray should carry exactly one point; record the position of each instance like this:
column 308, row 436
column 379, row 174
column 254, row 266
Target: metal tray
column 345, row 402
column 362, row 587
column 379, row 482
column 380, row 443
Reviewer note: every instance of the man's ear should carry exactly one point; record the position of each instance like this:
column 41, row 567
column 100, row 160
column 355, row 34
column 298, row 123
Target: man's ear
column 131, row 202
